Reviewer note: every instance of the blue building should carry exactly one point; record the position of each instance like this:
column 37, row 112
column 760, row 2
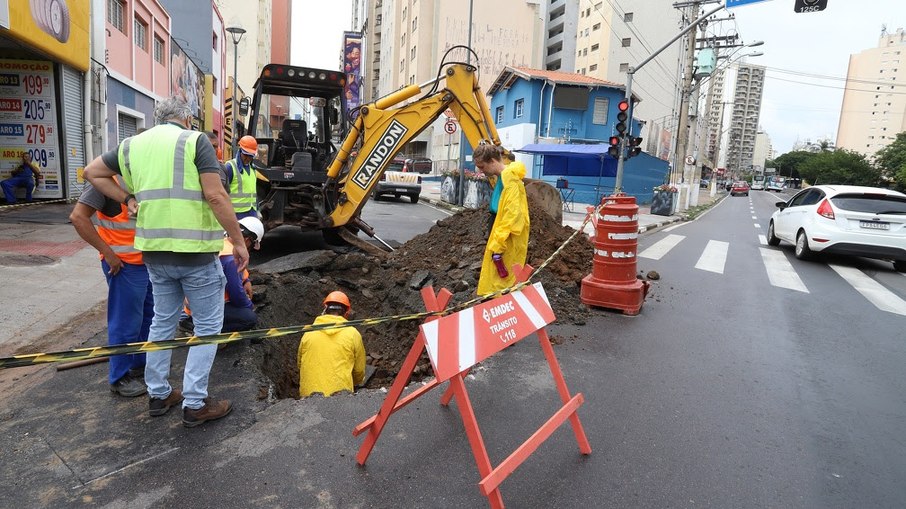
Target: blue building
column 560, row 125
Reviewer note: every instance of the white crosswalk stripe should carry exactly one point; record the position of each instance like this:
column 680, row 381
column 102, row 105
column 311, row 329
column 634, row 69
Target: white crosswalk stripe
column 780, row 272
column 657, row 250
column 877, row 294
column 714, row 257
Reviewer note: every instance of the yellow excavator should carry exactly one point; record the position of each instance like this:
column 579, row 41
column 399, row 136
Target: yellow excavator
column 304, row 179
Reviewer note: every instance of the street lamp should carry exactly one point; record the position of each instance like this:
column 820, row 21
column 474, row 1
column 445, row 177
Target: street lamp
column 236, row 33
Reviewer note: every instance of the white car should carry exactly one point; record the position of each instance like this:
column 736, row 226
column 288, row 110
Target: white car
column 847, row 220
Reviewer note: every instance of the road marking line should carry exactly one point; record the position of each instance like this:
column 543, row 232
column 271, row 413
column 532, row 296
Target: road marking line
column 875, row 292
column 657, row 250
column 763, row 240
column 714, row 257
column 757, row 225
column 671, row 228
column 780, row 272
column 754, row 217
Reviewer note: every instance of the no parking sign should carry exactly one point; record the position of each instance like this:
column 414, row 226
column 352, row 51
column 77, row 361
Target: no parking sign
column 449, row 127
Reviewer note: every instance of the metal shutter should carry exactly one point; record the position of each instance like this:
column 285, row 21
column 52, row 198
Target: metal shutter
column 126, row 126
column 73, row 124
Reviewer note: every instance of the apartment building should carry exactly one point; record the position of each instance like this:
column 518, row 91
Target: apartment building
column 614, row 35
column 747, row 95
column 874, row 102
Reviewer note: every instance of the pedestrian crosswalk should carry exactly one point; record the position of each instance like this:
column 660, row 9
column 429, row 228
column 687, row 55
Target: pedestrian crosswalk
column 781, row 272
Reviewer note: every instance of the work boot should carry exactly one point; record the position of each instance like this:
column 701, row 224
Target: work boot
column 128, row 387
column 212, row 409
column 158, row 407
column 137, row 372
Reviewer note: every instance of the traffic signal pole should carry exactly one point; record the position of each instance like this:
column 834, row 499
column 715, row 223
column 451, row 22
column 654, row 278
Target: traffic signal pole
column 629, row 74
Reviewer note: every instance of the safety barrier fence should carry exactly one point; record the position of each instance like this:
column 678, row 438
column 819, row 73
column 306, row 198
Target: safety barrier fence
column 78, row 354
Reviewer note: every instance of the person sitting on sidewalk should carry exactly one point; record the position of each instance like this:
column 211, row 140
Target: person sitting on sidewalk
column 331, row 360
column 130, row 303
column 25, row 175
column 238, row 309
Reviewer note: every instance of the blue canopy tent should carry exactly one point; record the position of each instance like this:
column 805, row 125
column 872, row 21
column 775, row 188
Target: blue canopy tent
column 586, row 167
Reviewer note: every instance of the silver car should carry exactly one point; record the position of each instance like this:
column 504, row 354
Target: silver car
column 846, row 220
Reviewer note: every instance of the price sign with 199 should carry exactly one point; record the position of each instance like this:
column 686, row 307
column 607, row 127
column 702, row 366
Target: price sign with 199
column 34, row 84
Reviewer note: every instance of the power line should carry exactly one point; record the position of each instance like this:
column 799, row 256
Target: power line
column 830, row 86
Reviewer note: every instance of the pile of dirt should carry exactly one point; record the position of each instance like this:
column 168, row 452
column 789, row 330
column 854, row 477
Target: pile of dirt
column 290, row 289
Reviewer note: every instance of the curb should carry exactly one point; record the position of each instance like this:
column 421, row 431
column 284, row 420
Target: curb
column 643, row 229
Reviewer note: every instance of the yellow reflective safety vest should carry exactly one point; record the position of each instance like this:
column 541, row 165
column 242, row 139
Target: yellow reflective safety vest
column 330, row 360
column 159, row 166
column 242, row 188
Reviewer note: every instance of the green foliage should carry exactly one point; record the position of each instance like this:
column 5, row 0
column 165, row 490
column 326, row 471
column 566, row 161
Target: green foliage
column 892, row 161
column 788, row 164
column 840, row 167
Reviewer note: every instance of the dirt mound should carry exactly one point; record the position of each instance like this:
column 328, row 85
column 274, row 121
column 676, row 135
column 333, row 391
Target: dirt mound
column 447, row 256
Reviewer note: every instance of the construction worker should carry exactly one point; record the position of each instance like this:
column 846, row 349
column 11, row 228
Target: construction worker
column 331, row 360
column 212, row 137
column 25, row 175
column 508, row 241
column 183, row 210
column 240, row 177
column 107, row 226
column 238, row 309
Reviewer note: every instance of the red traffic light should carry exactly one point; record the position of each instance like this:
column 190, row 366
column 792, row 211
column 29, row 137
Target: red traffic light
column 614, row 140
column 623, row 106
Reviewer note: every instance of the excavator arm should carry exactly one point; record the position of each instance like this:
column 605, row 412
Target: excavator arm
column 385, row 127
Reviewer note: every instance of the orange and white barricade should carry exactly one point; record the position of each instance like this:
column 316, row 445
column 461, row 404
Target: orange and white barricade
column 457, row 342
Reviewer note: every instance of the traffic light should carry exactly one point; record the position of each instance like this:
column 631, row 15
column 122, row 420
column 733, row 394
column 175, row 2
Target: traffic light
column 810, row 5
column 614, row 149
column 622, row 116
column 634, row 147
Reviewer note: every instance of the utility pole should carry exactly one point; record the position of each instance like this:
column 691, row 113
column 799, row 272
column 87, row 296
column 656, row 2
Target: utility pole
column 682, row 131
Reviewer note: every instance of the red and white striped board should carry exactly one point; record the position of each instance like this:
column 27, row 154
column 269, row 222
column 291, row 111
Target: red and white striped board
column 457, row 342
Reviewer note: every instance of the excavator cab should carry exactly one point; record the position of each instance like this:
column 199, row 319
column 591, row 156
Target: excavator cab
column 295, row 116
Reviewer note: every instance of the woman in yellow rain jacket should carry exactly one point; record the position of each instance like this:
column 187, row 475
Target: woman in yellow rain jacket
column 508, row 241
column 331, row 360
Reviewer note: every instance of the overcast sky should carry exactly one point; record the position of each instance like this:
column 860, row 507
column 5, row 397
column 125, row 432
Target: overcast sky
column 814, row 43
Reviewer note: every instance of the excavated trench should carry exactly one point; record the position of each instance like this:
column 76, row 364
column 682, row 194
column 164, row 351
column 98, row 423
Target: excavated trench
column 290, row 289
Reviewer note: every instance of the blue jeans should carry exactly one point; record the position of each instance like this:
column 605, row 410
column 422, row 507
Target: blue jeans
column 202, row 286
column 9, row 186
column 130, row 306
column 236, row 319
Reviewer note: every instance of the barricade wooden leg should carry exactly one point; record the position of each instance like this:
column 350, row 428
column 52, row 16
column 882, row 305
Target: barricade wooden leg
column 560, row 382
column 458, row 388
column 392, row 403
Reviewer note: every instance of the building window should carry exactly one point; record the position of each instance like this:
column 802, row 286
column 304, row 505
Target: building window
column 584, row 52
column 140, row 33
column 579, row 53
column 412, row 53
column 498, row 117
column 215, row 42
column 588, row 11
column 624, row 67
column 627, row 17
column 158, row 50
column 594, row 47
column 403, row 40
column 595, row 27
column 599, row 114
column 598, row 6
column 518, row 108
column 404, row 13
column 627, row 41
column 414, row 23
column 593, row 68
column 411, row 79
column 115, row 17
column 582, row 71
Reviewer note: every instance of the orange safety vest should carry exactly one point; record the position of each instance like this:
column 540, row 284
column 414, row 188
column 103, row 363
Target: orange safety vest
column 118, row 232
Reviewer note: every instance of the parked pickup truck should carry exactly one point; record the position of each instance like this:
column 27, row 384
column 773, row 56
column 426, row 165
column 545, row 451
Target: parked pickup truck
column 398, row 183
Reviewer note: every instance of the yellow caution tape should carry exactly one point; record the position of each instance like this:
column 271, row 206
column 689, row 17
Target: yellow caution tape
column 77, row 354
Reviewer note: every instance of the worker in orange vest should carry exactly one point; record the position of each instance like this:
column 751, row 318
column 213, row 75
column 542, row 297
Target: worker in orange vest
column 107, row 226
column 331, row 360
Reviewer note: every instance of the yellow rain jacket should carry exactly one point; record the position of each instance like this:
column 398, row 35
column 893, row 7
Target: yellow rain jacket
column 330, row 360
column 510, row 233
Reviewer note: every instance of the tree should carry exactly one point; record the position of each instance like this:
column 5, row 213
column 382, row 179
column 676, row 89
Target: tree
column 788, row 164
column 892, row 161
column 840, row 167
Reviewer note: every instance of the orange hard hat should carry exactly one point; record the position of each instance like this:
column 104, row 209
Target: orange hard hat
column 337, row 297
column 248, row 145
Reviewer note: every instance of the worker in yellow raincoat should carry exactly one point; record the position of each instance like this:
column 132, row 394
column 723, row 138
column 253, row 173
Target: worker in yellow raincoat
column 508, row 241
column 331, row 360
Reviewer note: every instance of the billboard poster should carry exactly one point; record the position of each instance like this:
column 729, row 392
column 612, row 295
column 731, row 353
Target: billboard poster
column 187, row 82
column 57, row 27
column 352, row 66
column 28, row 122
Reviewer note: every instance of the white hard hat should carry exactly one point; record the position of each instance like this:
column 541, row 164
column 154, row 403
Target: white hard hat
column 255, row 227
